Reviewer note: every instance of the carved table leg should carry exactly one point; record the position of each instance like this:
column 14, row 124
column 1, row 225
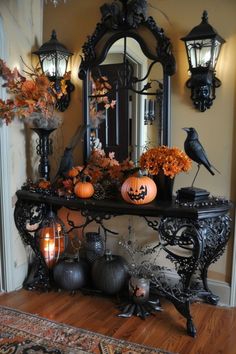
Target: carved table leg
column 27, row 219
column 184, row 235
column 206, row 240
column 184, row 310
column 216, row 236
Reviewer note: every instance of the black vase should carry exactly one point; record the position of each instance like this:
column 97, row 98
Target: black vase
column 165, row 186
column 44, row 149
column 94, row 246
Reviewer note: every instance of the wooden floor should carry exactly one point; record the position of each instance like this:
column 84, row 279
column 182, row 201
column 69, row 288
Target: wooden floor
column 216, row 326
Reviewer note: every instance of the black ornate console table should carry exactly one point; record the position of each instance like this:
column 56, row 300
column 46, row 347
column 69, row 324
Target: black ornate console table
column 201, row 228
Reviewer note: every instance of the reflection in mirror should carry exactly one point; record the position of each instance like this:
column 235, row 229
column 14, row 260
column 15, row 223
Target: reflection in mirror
column 126, row 66
column 126, row 120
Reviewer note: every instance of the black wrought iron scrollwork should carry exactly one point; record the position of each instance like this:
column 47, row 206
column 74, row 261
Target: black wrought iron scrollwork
column 154, row 224
column 187, row 236
column 205, row 239
column 28, row 217
column 121, row 21
column 90, row 217
column 216, row 236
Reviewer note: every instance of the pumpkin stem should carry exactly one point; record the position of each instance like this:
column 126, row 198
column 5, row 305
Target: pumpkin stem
column 85, row 178
column 142, row 173
column 108, row 255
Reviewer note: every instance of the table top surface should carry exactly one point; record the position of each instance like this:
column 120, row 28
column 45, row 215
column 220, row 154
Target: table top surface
column 211, row 207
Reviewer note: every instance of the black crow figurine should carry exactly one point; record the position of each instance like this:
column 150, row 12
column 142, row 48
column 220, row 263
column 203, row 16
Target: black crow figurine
column 196, row 152
column 66, row 162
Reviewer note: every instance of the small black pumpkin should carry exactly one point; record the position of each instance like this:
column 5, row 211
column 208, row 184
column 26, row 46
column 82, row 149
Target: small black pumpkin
column 71, row 274
column 109, row 273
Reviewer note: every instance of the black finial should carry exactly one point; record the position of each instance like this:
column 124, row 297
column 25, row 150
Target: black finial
column 53, row 35
column 205, row 16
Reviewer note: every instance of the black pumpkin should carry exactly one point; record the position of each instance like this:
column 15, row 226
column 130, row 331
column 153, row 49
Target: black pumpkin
column 109, row 273
column 70, row 274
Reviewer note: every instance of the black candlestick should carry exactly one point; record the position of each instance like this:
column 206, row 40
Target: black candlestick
column 44, row 149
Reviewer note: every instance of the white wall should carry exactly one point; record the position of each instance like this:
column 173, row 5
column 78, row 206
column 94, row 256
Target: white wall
column 22, row 26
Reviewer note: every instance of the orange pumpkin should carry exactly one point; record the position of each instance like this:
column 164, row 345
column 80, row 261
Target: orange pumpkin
column 84, row 189
column 73, row 172
column 138, row 190
column 44, row 184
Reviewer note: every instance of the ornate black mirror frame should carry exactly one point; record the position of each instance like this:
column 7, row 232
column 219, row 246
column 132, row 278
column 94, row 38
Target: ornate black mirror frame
column 123, row 19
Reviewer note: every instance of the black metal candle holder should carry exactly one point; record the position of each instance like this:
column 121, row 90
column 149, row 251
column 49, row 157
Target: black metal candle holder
column 142, row 310
column 44, row 149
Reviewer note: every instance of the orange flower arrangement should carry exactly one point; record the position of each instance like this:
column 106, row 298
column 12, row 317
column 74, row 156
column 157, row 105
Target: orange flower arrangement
column 170, row 160
column 33, row 95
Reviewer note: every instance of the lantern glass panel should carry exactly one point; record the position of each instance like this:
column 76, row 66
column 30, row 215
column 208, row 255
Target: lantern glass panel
column 52, row 239
column 216, row 52
column 199, row 52
column 48, row 63
column 54, row 65
column 61, row 65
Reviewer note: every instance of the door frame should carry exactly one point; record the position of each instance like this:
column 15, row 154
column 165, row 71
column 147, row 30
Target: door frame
column 6, row 266
column 233, row 274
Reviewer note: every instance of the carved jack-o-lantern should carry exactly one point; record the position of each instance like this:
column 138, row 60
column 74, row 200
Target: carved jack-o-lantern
column 138, row 190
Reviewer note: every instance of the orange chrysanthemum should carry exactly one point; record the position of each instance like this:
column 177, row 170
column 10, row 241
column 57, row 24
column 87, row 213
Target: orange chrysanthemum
column 170, row 160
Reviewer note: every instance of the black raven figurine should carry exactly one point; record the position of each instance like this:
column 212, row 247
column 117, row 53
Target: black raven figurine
column 66, row 162
column 196, row 152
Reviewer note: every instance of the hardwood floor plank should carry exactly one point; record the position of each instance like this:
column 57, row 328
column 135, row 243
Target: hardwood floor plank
column 216, row 326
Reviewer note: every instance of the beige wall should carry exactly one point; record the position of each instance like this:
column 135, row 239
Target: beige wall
column 77, row 19
column 22, row 22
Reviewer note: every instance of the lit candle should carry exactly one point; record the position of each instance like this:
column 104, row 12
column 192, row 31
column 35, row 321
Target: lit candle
column 52, row 243
column 49, row 249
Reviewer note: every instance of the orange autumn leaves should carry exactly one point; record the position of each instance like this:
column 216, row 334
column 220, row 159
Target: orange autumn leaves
column 36, row 94
column 170, row 160
column 99, row 169
column 99, row 100
column 102, row 167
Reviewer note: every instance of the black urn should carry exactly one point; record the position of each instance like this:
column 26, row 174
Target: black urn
column 71, row 274
column 109, row 273
column 94, row 246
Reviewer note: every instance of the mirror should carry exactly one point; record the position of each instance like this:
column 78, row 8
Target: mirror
column 126, row 68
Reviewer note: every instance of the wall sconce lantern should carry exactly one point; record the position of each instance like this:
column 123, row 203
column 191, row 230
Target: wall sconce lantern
column 203, row 46
column 52, row 238
column 54, row 58
column 149, row 111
